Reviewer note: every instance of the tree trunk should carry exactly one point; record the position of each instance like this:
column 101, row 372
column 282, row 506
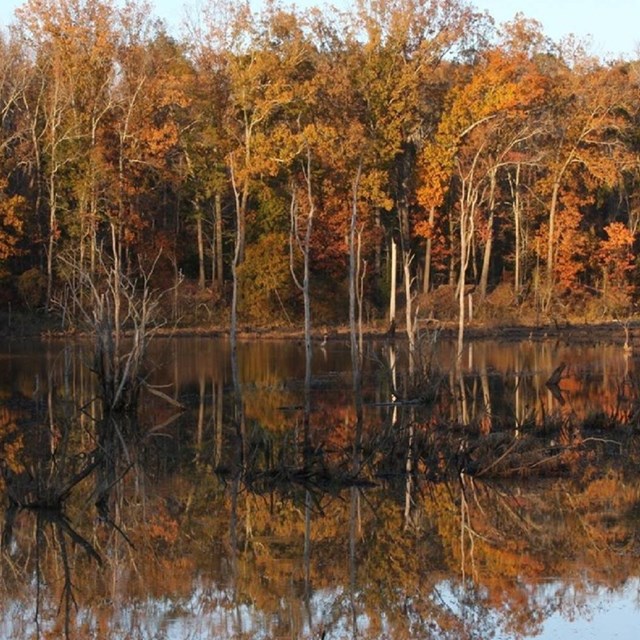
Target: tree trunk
column 304, row 286
column 411, row 332
column 467, row 206
column 452, row 251
column 52, row 234
column 240, row 203
column 117, row 272
column 353, row 274
column 426, row 283
column 551, row 241
column 515, row 194
column 361, row 273
column 393, row 278
column 219, row 274
column 53, row 140
column 486, row 260
column 377, row 264
column 200, row 240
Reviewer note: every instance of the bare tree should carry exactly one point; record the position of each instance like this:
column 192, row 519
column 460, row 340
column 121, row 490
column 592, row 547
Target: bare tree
column 354, row 274
column 122, row 314
column 302, row 241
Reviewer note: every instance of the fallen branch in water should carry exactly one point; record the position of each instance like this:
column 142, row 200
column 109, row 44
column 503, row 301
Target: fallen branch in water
column 556, row 376
column 164, row 396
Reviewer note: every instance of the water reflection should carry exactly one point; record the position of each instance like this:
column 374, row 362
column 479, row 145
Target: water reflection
column 496, row 380
column 237, row 565
column 316, row 515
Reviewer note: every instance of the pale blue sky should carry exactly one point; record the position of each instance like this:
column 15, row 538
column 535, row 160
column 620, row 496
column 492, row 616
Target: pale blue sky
column 613, row 25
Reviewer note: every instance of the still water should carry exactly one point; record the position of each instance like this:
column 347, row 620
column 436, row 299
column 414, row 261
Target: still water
column 250, row 517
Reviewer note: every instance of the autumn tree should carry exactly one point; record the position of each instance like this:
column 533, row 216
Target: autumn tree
column 205, row 148
column 48, row 29
column 584, row 118
column 119, row 139
column 616, row 258
column 257, row 58
column 89, row 59
column 484, row 121
column 399, row 76
column 12, row 214
column 14, row 78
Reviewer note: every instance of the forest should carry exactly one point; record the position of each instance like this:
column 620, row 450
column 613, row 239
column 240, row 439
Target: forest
column 405, row 152
column 404, row 163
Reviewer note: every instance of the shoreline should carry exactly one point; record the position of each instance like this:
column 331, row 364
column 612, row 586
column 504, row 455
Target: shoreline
column 613, row 332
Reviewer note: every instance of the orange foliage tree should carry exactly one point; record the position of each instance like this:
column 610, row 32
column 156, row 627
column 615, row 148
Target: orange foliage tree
column 484, row 121
column 616, row 259
column 585, row 120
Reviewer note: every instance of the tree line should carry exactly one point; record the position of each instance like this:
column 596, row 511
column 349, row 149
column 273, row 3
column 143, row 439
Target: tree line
column 279, row 160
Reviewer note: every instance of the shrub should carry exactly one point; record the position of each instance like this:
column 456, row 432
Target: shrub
column 499, row 306
column 32, row 285
column 267, row 290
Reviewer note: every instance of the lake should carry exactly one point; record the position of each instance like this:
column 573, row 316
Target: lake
column 443, row 499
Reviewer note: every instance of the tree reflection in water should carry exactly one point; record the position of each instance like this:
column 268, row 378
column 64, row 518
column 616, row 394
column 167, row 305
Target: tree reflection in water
column 329, row 524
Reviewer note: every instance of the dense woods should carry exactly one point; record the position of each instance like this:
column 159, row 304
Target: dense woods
column 276, row 161
column 394, row 163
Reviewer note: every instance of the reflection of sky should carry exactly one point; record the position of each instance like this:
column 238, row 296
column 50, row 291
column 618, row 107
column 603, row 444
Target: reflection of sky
column 607, row 615
column 602, row 614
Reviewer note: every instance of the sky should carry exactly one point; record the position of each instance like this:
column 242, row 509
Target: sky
column 613, row 26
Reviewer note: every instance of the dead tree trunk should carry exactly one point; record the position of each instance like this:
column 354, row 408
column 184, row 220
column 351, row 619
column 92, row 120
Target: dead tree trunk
column 120, row 313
